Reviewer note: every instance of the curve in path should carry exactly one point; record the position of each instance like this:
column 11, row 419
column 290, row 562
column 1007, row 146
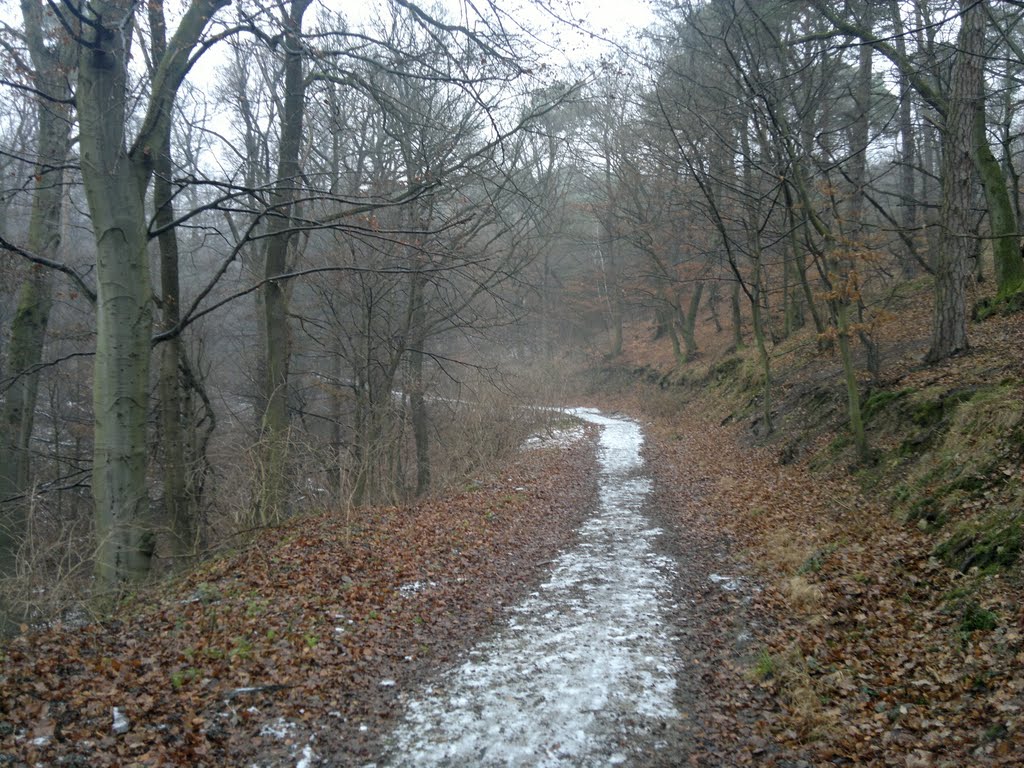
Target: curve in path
column 584, row 672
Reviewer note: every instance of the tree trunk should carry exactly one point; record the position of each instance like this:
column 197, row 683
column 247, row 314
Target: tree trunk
column 737, row 317
column 762, row 347
column 949, row 320
column 115, row 187
column 714, row 299
column 667, row 318
column 662, row 317
column 20, row 379
column 1006, row 139
column 418, row 408
column 908, row 150
column 612, row 270
column 873, row 353
column 849, row 290
column 799, row 263
column 789, row 309
column 842, row 312
column 115, row 180
column 179, row 515
column 20, row 384
column 417, row 401
column 614, row 312
column 930, row 145
column 753, row 226
column 689, row 324
column 274, row 494
column 1006, row 255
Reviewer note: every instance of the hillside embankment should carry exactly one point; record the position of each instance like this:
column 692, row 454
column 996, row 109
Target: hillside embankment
column 875, row 613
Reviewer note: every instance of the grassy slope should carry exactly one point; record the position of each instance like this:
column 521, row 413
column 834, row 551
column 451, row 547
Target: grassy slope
column 889, row 629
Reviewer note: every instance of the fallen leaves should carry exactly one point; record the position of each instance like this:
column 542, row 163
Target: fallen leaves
column 311, row 635
column 848, row 644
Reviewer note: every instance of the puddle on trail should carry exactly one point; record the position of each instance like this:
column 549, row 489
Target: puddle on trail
column 585, row 667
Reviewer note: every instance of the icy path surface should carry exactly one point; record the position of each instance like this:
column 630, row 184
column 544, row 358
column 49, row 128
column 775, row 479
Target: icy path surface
column 584, row 672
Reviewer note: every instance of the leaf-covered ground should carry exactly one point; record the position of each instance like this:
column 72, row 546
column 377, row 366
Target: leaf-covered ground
column 814, row 626
column 841, row 637
column 838, row 639
column 303, row 643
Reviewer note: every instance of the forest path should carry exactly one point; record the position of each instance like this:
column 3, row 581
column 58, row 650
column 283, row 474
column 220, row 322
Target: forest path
column 584, row 672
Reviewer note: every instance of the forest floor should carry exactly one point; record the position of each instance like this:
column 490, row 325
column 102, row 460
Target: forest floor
column 300, row 649
column 855, row 634
column 802, row 621
column 533, row 618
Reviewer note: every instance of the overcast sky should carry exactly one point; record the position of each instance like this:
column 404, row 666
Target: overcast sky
column 566, row 23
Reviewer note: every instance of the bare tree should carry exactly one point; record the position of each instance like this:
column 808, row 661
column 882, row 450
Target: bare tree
column 49, row 69
column 116, row 169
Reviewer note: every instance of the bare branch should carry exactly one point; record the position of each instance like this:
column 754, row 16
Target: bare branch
column 89, row 292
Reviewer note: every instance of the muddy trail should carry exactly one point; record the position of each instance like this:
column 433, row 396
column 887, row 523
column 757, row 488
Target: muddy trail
column 584, row 672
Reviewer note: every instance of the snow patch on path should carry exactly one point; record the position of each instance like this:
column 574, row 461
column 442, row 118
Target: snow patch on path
column 559, row 438
column 584, row 666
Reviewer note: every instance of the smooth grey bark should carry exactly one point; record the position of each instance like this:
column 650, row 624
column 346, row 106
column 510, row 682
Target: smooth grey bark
column 116, row 177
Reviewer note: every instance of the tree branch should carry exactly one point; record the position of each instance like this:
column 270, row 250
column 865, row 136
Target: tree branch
column 89, row 292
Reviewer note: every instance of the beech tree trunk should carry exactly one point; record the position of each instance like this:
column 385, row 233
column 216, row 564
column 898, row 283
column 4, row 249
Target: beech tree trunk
column 179, row 514
column 115, row 178
column 115, row 189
